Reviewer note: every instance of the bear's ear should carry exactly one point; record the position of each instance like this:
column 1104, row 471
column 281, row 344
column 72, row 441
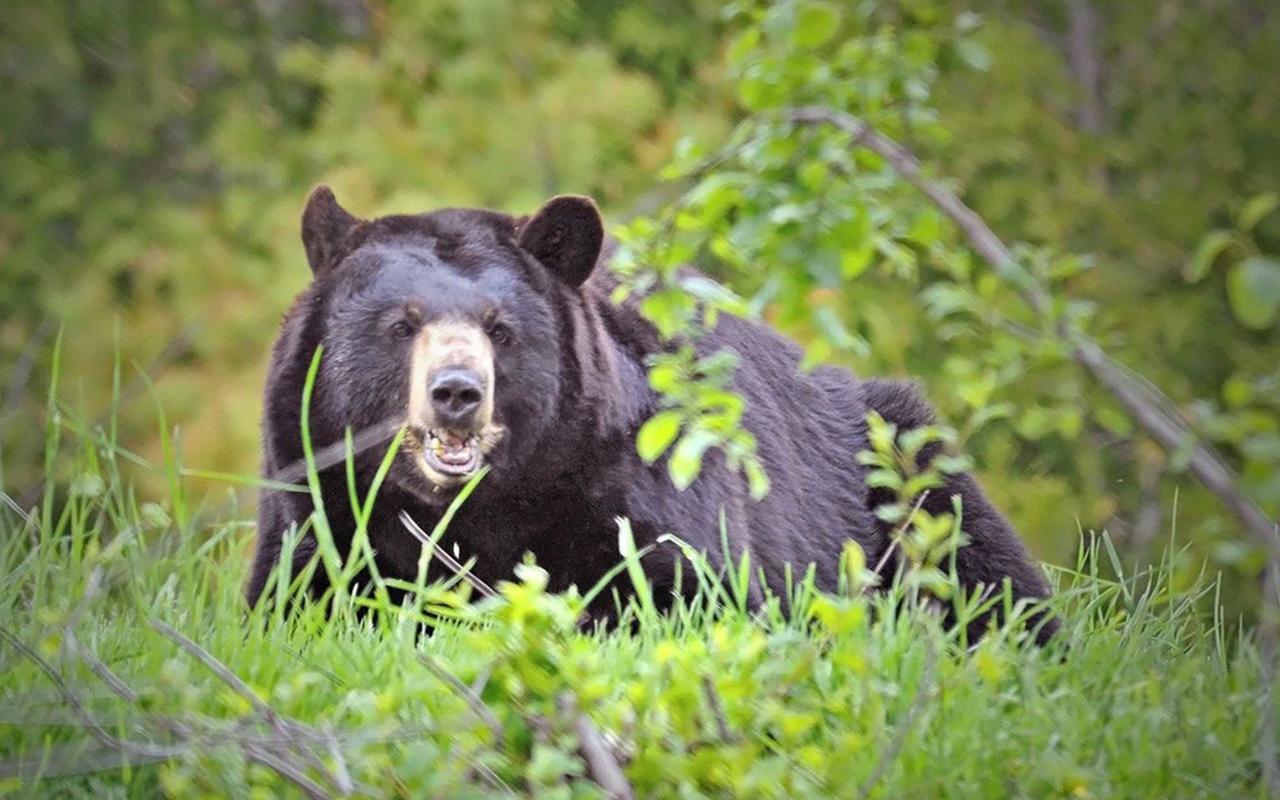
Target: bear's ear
column 324, row 225
column 565, row 236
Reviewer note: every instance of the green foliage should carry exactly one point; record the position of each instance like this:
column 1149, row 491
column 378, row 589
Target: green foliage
column 155, row 163
column 185, row 137
column 823, row 238
column 140, row 620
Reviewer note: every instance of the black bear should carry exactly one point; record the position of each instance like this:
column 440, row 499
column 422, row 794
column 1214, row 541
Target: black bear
column 493, row 340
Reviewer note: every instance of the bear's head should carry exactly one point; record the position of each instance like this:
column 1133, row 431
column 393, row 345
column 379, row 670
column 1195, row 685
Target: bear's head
column 449, row 324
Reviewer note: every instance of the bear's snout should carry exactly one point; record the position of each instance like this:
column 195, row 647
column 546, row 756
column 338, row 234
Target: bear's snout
column 456, row 395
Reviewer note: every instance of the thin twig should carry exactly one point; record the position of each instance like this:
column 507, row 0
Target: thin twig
column 472, row 699
column 336, row 452
column 73, row 700
column 444, row 558
column 1268, row 634
column 717, row 711
column 342, row 775
column 218, row 668
column 602, row 766
column 105, row 674
column 268, row 759
column 897, row 537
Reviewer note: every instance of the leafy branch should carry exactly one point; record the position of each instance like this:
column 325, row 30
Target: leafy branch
column 1147, row 405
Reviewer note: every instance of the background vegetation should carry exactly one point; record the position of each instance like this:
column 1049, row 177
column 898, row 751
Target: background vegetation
column 155, row 164
column 154, row 168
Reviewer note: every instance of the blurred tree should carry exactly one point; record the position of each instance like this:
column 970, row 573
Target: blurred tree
column 155, row 162
column 1127, row 131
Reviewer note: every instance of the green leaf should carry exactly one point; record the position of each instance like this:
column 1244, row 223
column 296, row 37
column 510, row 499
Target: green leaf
column 1253, row 288
column 892, row 512
column 884, row 479
column 953, row 465
column 816, row 23
column 686, row 461
column 926, row 229
column 1212, row 246
column 973, row 54
column 657, row 434
column 1258, row 207
column 757, row 478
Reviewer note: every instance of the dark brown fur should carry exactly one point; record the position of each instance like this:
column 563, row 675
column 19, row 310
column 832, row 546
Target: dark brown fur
column 573, row 398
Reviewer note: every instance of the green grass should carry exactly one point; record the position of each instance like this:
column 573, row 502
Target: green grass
column 132, row 668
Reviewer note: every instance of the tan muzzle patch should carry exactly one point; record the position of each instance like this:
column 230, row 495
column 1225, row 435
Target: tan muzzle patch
column 446, row 455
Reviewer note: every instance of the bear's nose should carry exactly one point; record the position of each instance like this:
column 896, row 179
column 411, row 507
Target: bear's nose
column 456, row 395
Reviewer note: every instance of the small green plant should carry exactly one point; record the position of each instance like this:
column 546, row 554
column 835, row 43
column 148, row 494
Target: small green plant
column 898, row 463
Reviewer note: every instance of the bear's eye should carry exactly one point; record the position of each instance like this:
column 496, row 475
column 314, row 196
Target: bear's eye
column 401, row 329
column 499, row 334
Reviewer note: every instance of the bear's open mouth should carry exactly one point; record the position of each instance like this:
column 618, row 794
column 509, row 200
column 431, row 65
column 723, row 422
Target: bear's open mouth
column 452, row 453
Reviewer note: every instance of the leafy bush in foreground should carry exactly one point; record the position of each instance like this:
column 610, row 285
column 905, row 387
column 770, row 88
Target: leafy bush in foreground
column 132, row 668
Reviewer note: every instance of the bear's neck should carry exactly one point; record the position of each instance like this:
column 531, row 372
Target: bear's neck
column 608, row 391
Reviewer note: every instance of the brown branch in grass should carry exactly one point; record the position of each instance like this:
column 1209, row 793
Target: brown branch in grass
column 96, row 665
column 286, row 770
column 726, row 733
column 1269, row 643
column 897, row 536
column 444, row 558
column 139, row 749
column 290, row 749
column 289, row 730
column 215, row 666
column 602, row 765
column 472, row 699
column 1149, row 407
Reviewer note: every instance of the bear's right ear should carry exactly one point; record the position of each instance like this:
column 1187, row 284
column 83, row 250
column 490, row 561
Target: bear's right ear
column 324, row 225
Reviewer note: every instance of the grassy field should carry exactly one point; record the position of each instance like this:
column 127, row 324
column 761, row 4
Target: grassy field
column 131, row 669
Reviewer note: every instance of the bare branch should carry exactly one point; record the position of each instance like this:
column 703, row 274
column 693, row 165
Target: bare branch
column 717, row 710
column 1085, row 59
column 444, row 558
column 286, row 770
column 144, row 750
column 473, row 700
column 217, row 668
column 602, row 766
column 1149, row 407
column 1268, row 634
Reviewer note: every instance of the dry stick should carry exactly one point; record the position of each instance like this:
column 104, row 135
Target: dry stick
column 602, row 767
column 146, row 751
column 1268, row 633
column 444, row 558
column 897, row 537
column 217, row 668
column 105, row 674
column 717, row 711
column 273, row 760
column 344, row 782
column 336, row 452
column 472, row 699
column 1144, row 402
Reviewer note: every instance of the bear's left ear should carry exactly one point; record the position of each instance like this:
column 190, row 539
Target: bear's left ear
column 565, row 236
